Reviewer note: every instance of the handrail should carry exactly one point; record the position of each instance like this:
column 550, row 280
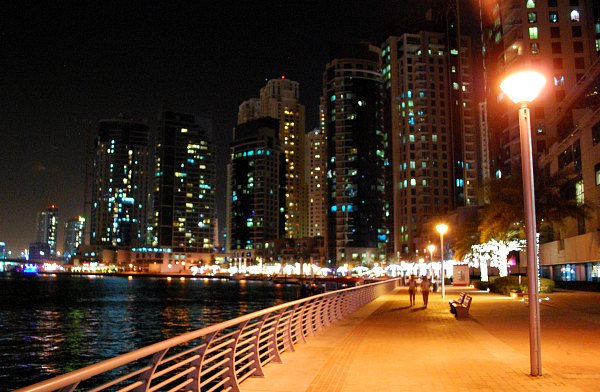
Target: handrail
column 220, row 356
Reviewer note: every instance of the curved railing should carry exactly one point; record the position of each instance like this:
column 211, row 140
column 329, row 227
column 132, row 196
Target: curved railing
column 219, row 357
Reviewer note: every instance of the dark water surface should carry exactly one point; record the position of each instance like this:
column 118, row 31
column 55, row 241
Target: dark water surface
column 52, row 325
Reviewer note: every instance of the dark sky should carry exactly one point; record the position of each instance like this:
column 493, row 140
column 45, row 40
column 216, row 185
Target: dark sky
column 65, row 65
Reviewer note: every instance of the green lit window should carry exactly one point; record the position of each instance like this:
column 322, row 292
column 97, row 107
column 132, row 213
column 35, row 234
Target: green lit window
column 530, row 3
column 532, row 17
column 533, row 33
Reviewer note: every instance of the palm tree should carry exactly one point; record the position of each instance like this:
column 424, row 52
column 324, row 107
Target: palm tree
column 555, row 202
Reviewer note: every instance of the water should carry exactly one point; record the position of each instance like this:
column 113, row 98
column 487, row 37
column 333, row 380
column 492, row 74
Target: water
column 53, row 325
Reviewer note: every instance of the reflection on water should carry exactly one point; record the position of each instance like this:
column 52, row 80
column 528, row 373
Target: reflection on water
column 52, row 325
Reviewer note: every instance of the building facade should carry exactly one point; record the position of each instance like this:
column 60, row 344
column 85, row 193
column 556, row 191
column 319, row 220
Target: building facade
column 555, row 37
column 121, row 199
column 356, row 161
column 280, row 99
column 571, row 252
column 74, row 231
column 317, row 184
column 256, row 186
column 47, row 229
column 184, row 192
column 430, row 115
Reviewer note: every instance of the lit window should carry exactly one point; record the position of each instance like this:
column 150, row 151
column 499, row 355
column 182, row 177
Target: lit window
column 535, row 49
column 532, row 17
column 574, row 16
column 530, row 3
column 579, row 193
column 597, row 170
column 533, row 33
column 553, row 17
column 559, row 80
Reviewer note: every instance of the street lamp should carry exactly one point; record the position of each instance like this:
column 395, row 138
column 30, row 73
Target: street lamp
column 522, row 88
column 431, row 248
column 442, row 229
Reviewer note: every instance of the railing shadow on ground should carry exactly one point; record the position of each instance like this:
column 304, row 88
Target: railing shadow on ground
column 221, row 356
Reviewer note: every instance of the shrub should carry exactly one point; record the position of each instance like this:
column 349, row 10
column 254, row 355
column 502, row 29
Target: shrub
column 507, row 284
column 479, row 285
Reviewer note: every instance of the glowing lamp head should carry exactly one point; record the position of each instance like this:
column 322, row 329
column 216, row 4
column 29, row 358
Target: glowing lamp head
column 431, row 248
column 523, row 87
column 442, row 228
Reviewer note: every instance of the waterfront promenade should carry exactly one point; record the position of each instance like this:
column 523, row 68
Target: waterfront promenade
column 389, row 346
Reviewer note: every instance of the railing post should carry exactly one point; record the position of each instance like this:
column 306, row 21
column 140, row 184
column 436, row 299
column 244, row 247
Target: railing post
column 197, row 374
column 146, row 377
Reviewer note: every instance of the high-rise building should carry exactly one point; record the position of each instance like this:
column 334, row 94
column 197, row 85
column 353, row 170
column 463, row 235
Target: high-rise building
column 121, row 200
column 249, row 110
column 570, row 250
column 184, row 194
column 74, row 230
column 356, row 146
column 555, row 37
column 47, row 228
column 431, row 119
column 317, row 183
column 256, row 187
column 280, row 99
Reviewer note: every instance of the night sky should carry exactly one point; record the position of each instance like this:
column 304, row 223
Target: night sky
column 65, row 65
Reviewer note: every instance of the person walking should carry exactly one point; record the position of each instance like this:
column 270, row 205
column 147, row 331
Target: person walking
column 425, row 286
column 412, row 289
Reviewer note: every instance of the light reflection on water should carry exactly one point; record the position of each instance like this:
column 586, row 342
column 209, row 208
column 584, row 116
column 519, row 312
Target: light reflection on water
column 52, row 325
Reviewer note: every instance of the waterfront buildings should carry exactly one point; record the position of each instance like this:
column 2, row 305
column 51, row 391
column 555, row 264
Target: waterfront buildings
column 121, row 202
column 280, row 99
column 47, row 229
column 555, row 37
column 356, row 160
column 571, row 251
column 184, row 190
column 74, row 230
column 256, row 188
column 559, row 38
column 317, row 184
column 433, row 136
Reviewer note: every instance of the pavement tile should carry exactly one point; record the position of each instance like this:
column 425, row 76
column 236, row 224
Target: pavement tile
column 389, row 346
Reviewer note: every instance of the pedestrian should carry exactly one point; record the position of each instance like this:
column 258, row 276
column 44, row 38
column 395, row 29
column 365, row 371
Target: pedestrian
column 412, row 289
column 425, row 285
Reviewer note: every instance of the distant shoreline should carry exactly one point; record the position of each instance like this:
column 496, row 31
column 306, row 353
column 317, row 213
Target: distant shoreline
column 288, row 279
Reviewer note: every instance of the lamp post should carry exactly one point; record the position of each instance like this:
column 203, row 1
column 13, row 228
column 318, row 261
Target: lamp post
column 442, row 229
column 431, row 248
column 522, row 88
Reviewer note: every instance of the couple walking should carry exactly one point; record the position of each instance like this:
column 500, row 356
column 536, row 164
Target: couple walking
column 412, row 289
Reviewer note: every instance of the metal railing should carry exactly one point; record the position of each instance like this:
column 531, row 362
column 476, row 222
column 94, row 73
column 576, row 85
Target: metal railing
column 221, row 356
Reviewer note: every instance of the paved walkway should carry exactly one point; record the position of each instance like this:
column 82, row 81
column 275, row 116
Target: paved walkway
column 389, row 346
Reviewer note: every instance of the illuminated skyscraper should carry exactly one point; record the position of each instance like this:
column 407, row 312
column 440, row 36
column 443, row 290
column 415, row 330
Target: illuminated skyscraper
column 121, row 200
column 74, row 230
column 184, row 194
column 430, row 114
column 280, row 99
column 556, row 37
column 356, row 144
column 47, row 228
column 317, row 183
column 256, row 186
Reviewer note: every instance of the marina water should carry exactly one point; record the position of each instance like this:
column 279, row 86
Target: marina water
column 55, row 324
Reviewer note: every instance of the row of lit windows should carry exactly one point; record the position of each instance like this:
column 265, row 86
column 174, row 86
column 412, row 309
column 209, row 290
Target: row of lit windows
column 551, row 3
column 532, row 17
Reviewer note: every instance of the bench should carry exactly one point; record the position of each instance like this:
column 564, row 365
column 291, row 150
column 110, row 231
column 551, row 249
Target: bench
column 462, row 310
column 461, row 298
